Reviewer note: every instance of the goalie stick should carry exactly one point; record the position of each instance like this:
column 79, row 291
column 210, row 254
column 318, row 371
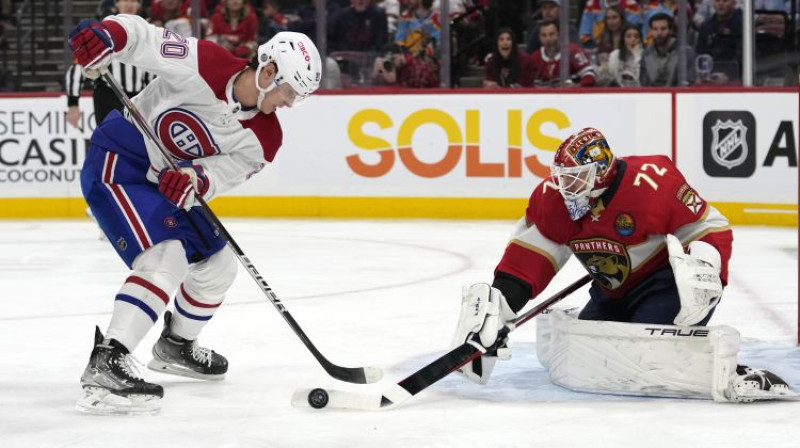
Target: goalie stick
column 420, row 380
column 358, row 375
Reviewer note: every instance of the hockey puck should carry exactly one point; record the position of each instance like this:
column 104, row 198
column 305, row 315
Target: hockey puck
column 318, row 398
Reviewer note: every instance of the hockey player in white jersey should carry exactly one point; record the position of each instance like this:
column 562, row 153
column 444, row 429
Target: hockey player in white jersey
column 215, row 115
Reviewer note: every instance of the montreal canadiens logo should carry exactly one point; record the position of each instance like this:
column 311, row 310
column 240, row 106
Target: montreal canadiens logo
column 185, row 135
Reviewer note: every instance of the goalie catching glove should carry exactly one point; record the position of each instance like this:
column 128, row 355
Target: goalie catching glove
column 484, row 312
column 697, row 278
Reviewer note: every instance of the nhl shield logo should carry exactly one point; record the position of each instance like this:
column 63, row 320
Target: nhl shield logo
column 729, row 144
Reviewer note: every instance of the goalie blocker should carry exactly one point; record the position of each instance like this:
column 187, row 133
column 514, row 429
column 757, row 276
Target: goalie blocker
column 650, row 360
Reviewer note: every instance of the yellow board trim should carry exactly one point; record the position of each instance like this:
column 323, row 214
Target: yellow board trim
column 38, row 208
column 376, row 207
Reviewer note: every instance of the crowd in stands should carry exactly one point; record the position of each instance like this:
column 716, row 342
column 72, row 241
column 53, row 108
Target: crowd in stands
column 626, row 43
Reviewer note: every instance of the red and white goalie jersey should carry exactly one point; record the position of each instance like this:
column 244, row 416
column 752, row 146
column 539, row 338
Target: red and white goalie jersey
column 191, row 106
column 547, row 70
column 621, row 240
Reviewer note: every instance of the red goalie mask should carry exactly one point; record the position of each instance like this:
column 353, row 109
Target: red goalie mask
column 584, row 167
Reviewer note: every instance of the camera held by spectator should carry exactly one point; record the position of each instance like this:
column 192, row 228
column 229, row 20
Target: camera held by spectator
column 388, row 65
column 403, row 69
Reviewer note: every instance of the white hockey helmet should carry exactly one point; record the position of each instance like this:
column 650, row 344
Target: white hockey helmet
column 298, row 62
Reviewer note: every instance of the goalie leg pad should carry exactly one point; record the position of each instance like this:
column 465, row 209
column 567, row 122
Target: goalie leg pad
column 636, row 359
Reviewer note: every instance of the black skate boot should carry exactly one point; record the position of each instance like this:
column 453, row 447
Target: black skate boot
column 112, row 385
column 749, row 385
column 178, row 356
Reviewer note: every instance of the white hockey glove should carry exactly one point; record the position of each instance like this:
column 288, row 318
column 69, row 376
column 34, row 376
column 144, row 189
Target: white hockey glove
column 697, row 278
column 484, row 312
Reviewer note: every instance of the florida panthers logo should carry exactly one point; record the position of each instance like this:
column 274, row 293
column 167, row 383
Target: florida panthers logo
column 185, row 135
column 606, row 260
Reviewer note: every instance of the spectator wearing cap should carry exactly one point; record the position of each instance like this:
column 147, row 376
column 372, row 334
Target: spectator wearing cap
column 548, row 10
column 402, row 68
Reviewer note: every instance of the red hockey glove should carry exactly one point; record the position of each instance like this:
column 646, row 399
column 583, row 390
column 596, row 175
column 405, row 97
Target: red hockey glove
column 91, row 43
column 180, row 186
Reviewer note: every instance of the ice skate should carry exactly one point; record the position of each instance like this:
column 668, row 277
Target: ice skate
column 749, row 385
column 112, row 384
column 178, row 356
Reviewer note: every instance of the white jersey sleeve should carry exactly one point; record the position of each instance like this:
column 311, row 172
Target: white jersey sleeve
column 154, row 49
column 191, row 107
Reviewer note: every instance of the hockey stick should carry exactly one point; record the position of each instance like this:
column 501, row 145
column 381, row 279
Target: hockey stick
column 358, row 375
column 418, row 381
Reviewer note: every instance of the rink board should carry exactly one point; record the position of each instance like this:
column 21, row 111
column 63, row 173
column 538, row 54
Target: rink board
column 456, row 155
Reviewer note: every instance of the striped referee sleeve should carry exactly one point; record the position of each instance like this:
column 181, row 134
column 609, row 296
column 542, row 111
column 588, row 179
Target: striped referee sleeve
column 73, row 80
column 130, row 78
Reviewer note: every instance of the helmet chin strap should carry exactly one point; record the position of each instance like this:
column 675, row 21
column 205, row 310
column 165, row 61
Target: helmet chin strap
column 257, row 77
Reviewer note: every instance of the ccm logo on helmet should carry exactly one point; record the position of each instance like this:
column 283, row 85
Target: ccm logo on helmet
column 185, row 135
column 303, row 50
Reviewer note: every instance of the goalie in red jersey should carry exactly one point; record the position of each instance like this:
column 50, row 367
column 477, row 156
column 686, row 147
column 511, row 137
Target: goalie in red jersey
column 627, row 220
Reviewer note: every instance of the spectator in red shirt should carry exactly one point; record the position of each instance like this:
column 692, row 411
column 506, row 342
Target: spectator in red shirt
column 234, row 27
column 165, row 10
column 404, row 69
column 547, row 60
column 506, row 65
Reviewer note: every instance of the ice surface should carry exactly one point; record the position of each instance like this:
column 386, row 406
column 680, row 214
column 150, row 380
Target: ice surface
column 378, row 293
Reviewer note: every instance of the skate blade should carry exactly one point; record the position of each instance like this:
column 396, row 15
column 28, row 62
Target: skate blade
column 172, row 369
column 99, row 401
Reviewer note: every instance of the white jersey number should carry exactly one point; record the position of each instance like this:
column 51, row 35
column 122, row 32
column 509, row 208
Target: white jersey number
column 642, row 176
